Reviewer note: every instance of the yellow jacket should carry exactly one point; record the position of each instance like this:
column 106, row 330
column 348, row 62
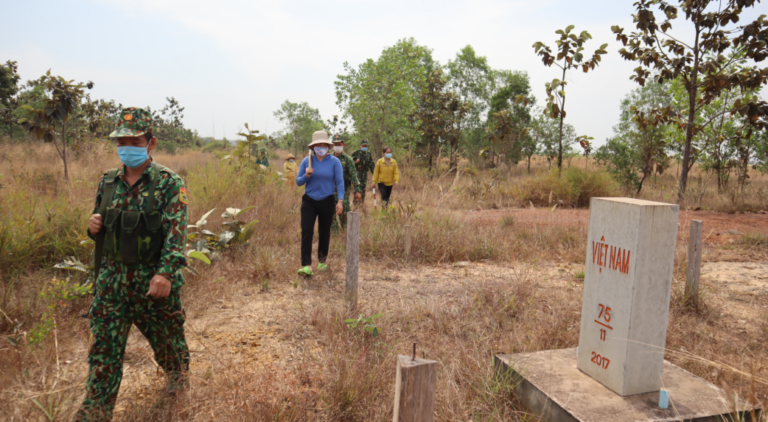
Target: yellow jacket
column 290, row 170
column 386, row 173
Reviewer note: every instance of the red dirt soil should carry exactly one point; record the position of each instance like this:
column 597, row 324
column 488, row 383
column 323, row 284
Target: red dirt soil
column 719, row 228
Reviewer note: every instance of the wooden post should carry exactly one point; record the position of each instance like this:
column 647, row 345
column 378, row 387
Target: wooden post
column 694, row 263
column 407, row 240
column 415, row 390
column 353, row 258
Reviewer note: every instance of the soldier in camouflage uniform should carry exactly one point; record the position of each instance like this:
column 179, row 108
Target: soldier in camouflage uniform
column 350, row 181
column 262, row 157
column 140, row 278
column 363, row 164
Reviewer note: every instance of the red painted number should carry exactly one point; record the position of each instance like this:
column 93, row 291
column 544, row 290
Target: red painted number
column 600, row 361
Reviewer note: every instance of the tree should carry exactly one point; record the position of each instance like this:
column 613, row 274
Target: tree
column 569, row 50
column 472, row 80
column 9, row 87
column 62, row 99
column 511, row 94
column 301, row 120
column 701, row 63
column 438, row 116
column 380, row 95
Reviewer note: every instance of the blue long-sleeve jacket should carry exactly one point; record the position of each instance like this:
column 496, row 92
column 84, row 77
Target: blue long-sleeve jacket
column 327, row 175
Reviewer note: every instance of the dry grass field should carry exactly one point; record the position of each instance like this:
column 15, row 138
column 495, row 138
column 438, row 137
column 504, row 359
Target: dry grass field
column 497, row 266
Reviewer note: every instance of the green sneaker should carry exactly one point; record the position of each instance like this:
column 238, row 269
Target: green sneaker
column 322, row 267
column 306, row 271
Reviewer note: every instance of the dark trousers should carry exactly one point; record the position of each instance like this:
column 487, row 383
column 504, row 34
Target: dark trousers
column 322, row 211
column 386, row 192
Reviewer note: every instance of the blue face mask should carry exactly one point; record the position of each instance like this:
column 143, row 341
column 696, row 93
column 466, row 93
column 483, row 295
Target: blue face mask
column 364, row 148
column 388, row 155
column 132, row 157
column 321, row 151
column 291, row 160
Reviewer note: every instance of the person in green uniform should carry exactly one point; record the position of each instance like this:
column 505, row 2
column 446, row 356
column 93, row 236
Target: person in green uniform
column 139, row 222
column 363, row 165
column 350, row 181
column 262, row 157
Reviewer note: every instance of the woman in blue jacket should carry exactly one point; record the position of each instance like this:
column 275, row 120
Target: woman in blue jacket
column 323, row 177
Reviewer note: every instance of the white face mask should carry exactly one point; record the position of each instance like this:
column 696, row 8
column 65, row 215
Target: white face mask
column 338, row 149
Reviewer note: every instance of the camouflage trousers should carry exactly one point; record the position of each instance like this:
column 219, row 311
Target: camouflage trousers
column 161, row 321
column 342, row 219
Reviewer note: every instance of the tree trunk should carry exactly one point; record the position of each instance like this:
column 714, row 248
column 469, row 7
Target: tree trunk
column 560, row 139
column 529, row 164
column 64, row 150
column 692, row 90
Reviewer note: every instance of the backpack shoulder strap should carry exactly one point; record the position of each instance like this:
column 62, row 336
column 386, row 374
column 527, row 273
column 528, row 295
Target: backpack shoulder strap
column 106, row 199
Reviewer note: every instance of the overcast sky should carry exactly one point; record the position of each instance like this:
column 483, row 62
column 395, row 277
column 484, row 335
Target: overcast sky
column 231, row 61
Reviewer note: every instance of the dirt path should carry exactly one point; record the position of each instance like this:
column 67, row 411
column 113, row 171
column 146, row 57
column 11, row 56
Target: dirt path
column 254, row 329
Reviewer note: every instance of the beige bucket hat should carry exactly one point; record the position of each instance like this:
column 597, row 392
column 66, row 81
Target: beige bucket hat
column 320, row 137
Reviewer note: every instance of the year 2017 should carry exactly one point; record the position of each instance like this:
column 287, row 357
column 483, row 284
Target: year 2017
column 601, row 361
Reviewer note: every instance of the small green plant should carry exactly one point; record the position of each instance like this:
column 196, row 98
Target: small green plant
column 580, row 275
column 366, row 323
column 55, row 295
column 507, row 221
column 206, row 245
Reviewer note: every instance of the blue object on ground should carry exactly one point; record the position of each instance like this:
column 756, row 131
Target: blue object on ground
column 663, row 399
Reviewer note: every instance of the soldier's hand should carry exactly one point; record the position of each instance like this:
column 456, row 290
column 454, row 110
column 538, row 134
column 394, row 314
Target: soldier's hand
column 357, row 161
column 95, row 224
column 358, row 197
column 309, row 172
column 159, row 286
column 339, row 208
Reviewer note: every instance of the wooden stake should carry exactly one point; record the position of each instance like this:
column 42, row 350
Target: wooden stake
column 415, row 390
column 310, row 159
column 353, row 258
column 374, row 198
column 694, row 263
column 407, row 240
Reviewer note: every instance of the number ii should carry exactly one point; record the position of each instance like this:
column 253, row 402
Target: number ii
column 602, row 334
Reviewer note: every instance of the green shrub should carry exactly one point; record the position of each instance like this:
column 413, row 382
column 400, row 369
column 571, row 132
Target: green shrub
column 759, row 240
column 574, row 188
column 214, row 146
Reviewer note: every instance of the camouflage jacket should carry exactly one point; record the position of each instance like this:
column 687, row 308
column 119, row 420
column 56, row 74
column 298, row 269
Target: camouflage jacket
column 366, row 161
column 350, row 174
column 119, row 280
column 263, row 160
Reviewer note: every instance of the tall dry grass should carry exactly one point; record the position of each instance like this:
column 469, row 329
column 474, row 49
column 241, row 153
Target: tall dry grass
column 351, row 379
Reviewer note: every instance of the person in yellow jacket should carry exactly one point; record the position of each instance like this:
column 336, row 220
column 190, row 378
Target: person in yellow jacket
column 386, row 175
column 290, row 170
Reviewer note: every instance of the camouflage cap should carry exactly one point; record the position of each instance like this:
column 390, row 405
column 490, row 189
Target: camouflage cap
column 133, row 121
column 365, row 142
column 263, row 149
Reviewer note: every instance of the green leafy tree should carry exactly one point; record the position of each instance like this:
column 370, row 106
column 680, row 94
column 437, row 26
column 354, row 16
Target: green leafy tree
column 50, row 122
column 621, row 160
column 301, row 121
column 701, row 62
column 471, row 78
column 570, row 49
column 380, row 95
column 511, row 95
column 9, row 87
column 438, row 117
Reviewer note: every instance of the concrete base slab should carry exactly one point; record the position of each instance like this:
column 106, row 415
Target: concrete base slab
column 549, row 385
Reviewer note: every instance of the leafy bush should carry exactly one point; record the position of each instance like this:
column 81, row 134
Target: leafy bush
column 574, row 188
column 214, row 146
